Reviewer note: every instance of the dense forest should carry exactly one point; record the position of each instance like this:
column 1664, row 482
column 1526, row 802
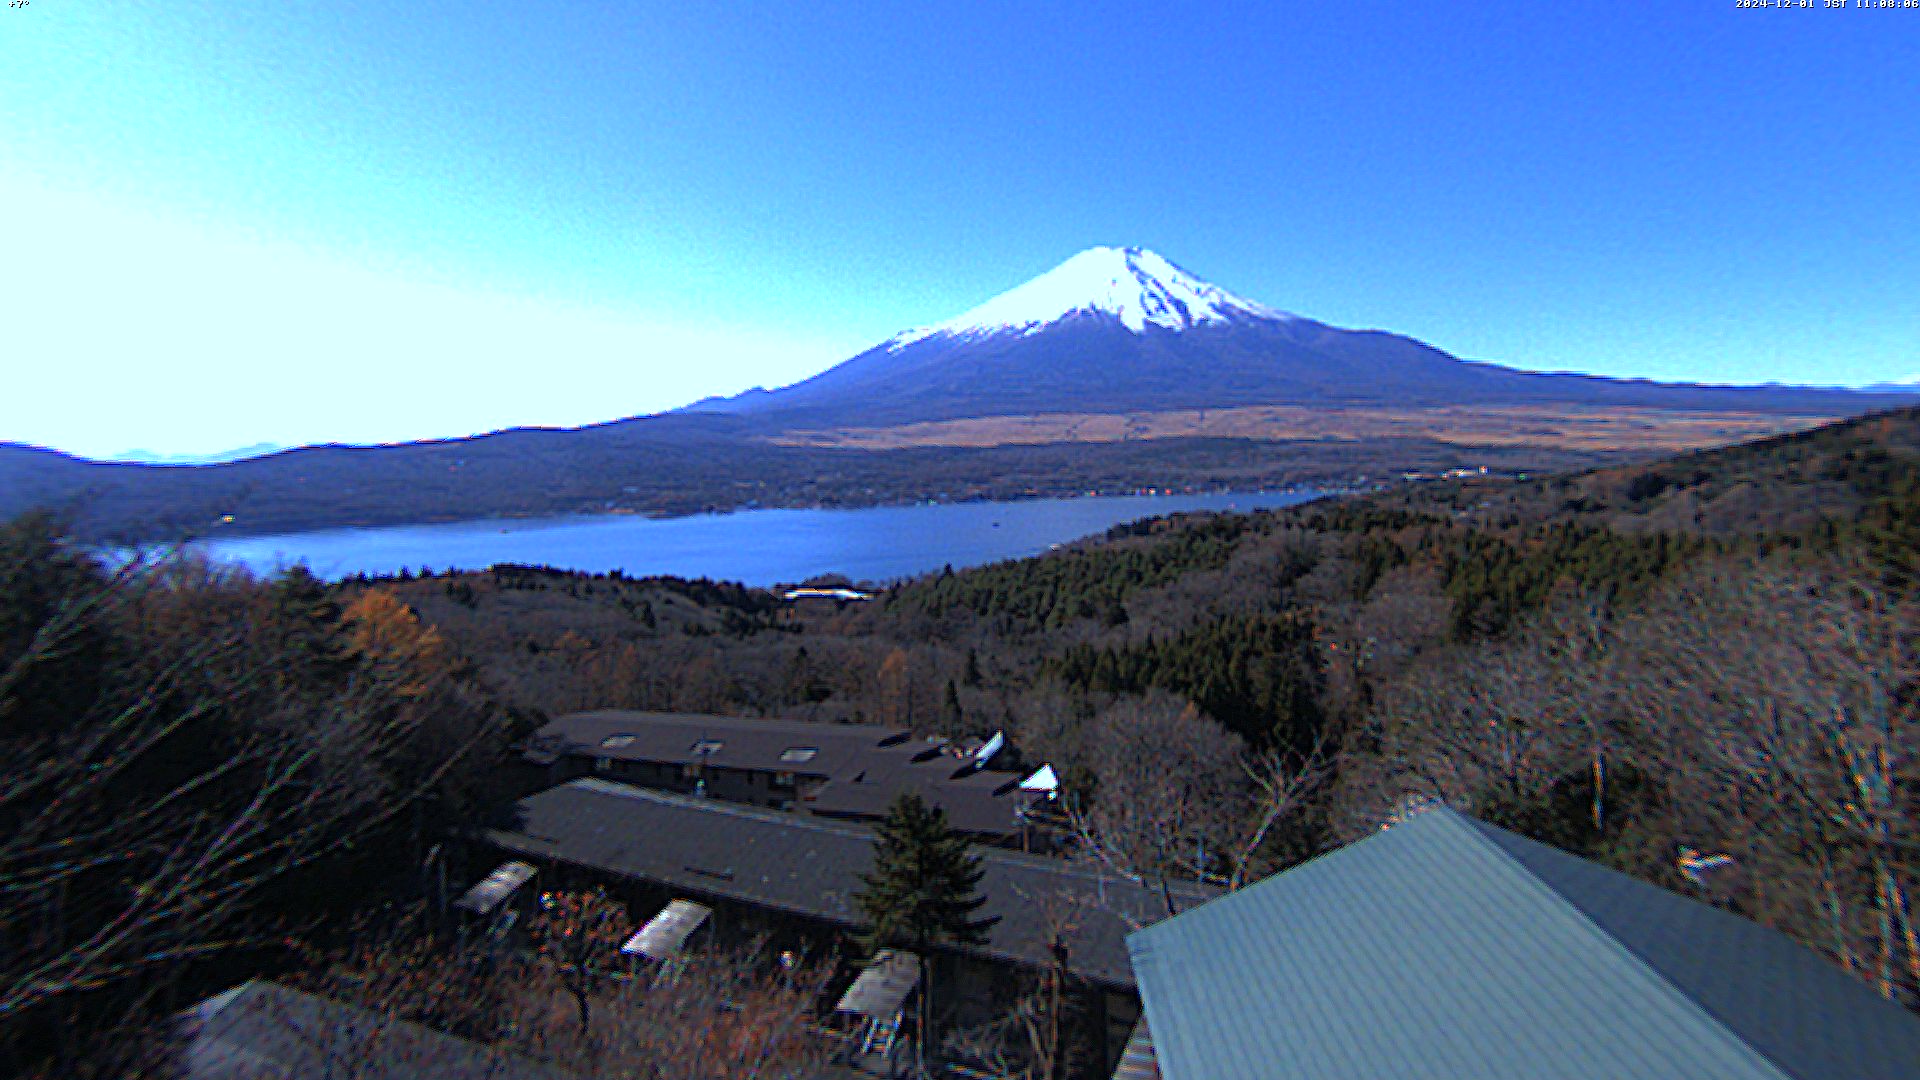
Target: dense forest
column 1719, row 653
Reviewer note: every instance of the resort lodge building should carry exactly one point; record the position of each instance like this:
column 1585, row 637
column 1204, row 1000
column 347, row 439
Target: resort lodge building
column 794, row 878
column 849, row 772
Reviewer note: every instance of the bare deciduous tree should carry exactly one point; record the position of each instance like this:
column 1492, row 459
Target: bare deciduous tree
column 183, row 737
column 1034, row 1036
column 1764, row 710
column 717, row 1014
column 1782, row 700
column 577, row 938
column 1284, row 784
column 1170, row 793
column 723, row 1015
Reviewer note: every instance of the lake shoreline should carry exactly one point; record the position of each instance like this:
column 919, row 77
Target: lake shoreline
column 759, row 546
column 241, row 533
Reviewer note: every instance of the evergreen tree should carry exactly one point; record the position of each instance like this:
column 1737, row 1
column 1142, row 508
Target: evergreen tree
column 304, row 624
column 951, row 714
column 922, row 892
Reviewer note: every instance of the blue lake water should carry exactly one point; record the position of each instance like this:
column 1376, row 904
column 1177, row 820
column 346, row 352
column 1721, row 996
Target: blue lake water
column 758, row 547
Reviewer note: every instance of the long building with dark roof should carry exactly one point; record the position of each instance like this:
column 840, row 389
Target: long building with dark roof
column 848, row 771
column 812, row 868
column 742, row 860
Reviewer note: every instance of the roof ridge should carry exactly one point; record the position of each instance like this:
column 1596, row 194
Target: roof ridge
column 1639, row 962
column 788, row 819
column 764, row 722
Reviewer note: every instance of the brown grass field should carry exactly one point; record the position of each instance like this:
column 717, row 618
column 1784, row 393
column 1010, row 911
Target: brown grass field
column 1562, row 427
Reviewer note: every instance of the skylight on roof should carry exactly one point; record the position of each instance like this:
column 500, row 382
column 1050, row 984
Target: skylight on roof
column 614, row 742
column 708, row 746
column 797, row 754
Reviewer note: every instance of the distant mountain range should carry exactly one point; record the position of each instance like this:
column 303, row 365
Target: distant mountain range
column 1908, row 385
column 148, row 457
column 1117, row 370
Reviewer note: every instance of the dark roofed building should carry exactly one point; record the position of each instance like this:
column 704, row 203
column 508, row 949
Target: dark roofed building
column 748, row 863
column 811, row 868
column 1448, row 949
column 733, row 742
column 850, row 771
column 986, row 804
column 265, row 1031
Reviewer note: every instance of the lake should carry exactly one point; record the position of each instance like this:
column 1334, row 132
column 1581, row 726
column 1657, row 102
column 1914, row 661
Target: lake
column 758, row 547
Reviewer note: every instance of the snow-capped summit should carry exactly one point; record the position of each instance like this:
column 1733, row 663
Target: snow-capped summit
column 1123, row 332
column 1133, row 285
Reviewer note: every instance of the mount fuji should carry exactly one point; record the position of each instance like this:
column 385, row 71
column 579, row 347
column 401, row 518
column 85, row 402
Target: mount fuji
column 1132, row 285
column 1128, row 331
column 1116, row 370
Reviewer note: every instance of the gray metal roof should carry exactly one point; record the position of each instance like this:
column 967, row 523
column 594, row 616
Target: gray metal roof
column 264, row 1031
column 666, row 934
column 883, row 985
column 720, row 851
column 491, row 891
column 1447, row 949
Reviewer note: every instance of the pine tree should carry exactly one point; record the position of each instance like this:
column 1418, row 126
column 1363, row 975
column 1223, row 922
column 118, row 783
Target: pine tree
column 951, row 714
column 922, row 892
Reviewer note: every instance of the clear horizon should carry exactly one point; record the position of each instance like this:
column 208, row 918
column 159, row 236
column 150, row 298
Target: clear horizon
column 233, row 224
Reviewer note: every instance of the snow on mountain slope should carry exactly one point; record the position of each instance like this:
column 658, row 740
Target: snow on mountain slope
column 1124, row 330
column 1134, row 285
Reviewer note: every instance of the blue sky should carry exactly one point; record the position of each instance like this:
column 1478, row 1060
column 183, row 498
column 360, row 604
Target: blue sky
column 225, row 223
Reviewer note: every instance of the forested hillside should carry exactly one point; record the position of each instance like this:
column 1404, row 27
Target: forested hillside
column 1712, row 653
